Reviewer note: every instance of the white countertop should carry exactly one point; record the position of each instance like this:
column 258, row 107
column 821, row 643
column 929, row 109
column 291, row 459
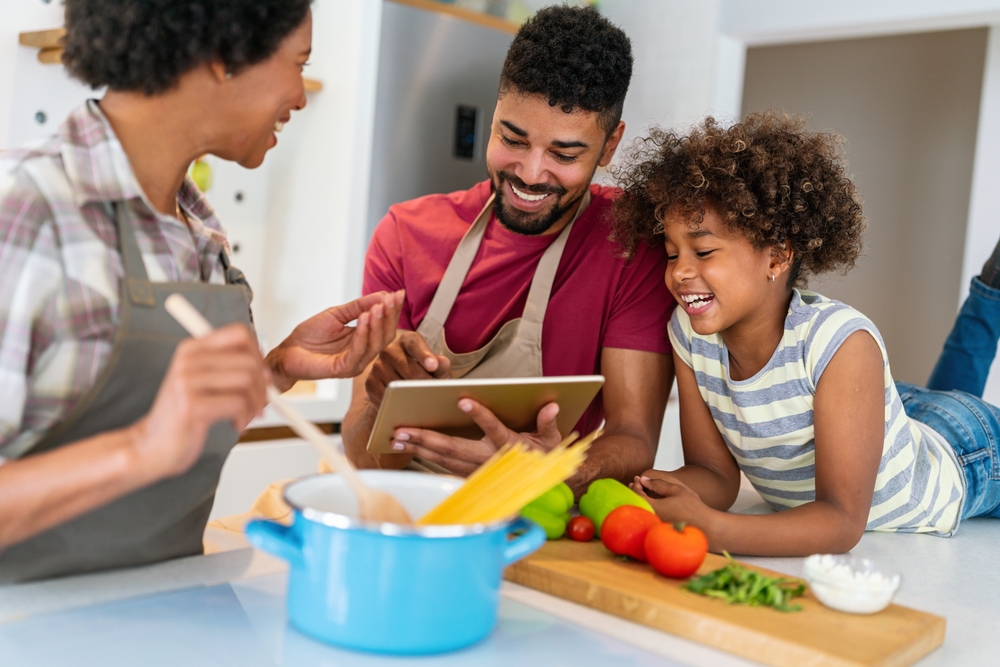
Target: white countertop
column 229, row 609
column 954, row 577
column 157, row 614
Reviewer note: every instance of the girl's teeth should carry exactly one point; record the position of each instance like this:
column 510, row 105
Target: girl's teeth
column 278, row 126
column 526, row 197
column 697, row 300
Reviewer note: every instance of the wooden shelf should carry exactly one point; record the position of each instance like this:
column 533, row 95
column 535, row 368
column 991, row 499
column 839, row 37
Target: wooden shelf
column 486, row 20
column 43, row 39
column 49, row 45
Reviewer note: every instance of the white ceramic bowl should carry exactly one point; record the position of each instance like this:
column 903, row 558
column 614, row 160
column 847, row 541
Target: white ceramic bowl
column 850, row 584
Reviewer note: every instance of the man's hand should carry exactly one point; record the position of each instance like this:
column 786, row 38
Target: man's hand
column 325, row 347
column 408, row 357
column 461, row 456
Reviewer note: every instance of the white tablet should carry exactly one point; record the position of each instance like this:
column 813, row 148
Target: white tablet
column 433, row 404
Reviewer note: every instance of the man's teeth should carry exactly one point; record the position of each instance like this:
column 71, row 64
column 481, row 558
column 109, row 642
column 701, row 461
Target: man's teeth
column 697, row 299
column 526, row 197
column 278, row 126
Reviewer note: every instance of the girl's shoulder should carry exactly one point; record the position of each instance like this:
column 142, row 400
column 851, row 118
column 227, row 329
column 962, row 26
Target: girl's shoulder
column 810, row 314
column 821, row 325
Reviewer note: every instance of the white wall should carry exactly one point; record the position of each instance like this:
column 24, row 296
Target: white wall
column 674, row 47
column 26, row 85
column 780, row 21
column 315, row 236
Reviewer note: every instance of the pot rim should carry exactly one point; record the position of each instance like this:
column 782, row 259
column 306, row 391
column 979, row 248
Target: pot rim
column 344, row 522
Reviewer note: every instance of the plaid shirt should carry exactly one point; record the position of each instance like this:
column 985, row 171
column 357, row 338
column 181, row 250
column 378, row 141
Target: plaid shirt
column 61, row 271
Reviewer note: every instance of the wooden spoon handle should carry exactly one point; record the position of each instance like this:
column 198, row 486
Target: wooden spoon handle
column 308, row 431
column 196, row 325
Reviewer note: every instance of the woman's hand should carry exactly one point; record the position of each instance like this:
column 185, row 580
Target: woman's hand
column 461, row 456
column 221, row 376
column 325, row 347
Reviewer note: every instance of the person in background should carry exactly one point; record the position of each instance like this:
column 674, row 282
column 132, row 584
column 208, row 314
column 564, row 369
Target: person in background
column 113, row 428
column 516, row 277
column 788, row 386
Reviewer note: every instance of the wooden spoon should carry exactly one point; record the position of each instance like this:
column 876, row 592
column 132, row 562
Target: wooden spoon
column 374, row 506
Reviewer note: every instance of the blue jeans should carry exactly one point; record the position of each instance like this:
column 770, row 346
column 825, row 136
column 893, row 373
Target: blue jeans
column 972, row 344
column 952, row 404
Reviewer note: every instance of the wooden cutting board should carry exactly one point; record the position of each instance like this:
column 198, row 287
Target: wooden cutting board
column 589, row 574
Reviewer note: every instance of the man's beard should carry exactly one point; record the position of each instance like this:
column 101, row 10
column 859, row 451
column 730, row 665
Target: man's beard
column 521, row 222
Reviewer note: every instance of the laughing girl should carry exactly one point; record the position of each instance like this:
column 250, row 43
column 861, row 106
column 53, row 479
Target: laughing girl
column 788, row 386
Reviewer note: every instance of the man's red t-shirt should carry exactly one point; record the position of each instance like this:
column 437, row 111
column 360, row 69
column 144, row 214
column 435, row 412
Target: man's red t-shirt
column 598, row 299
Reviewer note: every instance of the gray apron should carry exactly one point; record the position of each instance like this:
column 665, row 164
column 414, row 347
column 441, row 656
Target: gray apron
column 515, row 350
column 166, row 519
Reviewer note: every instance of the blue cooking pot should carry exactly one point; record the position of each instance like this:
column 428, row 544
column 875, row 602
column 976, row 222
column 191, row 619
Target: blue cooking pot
column 388, row 588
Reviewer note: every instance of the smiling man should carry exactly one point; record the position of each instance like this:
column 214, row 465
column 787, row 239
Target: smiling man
column 517, row 277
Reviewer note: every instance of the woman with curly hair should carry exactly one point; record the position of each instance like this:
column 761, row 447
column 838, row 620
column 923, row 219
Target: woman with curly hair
column 788, row 386
column 113, row 429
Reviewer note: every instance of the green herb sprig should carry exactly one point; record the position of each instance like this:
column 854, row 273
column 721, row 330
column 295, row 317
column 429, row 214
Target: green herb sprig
column 737, row 585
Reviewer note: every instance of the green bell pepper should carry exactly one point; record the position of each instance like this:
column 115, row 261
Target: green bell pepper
column 604, row 495
column 551, row 510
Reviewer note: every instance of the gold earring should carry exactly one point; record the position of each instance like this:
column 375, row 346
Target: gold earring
column 772, row 276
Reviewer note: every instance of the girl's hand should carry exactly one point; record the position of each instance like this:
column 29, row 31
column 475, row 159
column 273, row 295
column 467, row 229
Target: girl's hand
column 672, row 500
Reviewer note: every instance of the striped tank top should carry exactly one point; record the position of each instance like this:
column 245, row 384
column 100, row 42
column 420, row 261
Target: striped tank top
column 767, row 421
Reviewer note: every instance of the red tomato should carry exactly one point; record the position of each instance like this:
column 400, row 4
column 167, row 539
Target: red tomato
column 675, row 551
column 624, row 531
column 581, row 529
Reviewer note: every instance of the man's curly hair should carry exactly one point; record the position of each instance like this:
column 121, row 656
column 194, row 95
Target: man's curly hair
column 574, row 57
column 767, row 177
column 146, row 45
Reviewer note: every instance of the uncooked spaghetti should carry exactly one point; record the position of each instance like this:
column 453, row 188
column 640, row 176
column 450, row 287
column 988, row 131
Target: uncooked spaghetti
column 511, row 479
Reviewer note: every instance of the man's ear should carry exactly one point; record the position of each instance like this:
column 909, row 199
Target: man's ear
column 611, row 145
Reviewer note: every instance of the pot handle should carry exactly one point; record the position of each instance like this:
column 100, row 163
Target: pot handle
column 275, row 538
column 524, row 545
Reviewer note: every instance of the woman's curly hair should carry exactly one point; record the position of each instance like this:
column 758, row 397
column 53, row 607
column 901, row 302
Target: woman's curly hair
column 574, row 57
column 146, row 45
column 767, row 177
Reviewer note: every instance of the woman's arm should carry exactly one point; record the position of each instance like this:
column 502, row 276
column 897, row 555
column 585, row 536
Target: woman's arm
column 849, row 423
column 218, row 377
column 42, row 491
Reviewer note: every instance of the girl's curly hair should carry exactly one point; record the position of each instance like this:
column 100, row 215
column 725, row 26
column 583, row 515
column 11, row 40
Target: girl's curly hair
column 767, row 177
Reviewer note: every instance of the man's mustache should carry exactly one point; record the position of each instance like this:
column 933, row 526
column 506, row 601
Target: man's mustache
column 540, row 189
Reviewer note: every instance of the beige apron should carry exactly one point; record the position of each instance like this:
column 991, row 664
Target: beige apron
column 166, row 519
column 515, row 350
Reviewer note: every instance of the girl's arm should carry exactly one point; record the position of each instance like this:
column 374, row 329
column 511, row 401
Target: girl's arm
column 849, row 422
column 709, row 469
